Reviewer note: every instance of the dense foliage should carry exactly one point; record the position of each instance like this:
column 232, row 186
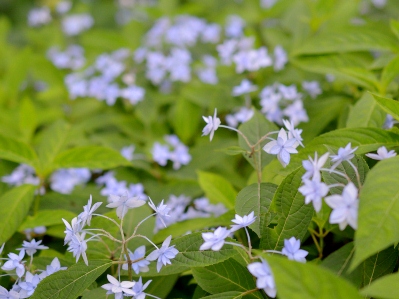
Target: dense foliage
column 199, row 149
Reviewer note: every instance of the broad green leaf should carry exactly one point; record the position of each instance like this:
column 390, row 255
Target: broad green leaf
column 160, row 286
column 298, row 280
column 217, row 189
column 17, row 151
column 190, row 256
column 93, row 157
column 27, row 119
column 181, row 228
column 225, row 295
column 346, row 168
column 15, row 205
column 378, row 205
column 366, row 113
column 97, row 293
column 232, row 150
column 186, row 119
column 339, row 262
column 225, row 277
column 385, row 287
column 46, row 218
column 294, row 216
column 70, row 283
column 254, row 129
column 351, row 39
column 256, row 198
column 388, row 105
column 51, row 144
column 390, row 72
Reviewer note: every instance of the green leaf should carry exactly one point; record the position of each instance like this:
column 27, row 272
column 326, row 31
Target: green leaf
column 378, row 220
column 225, row 295
column 349, row 40
column 132, row 219
column 52, row 142
column 190, row 256
column 388, row 105
column 70, row 283
column 390, row 72
column 27, row 119
column 98, row 293
column 15, row 206
column 297, row 280
column 225, row 277
column 294, row 216
column 17, row 151
column 366, row 113
column 46, row 218
column 181, row 228
column 395, row 27
column 93, row 157
column 385, row 287
column 232, row 150
column 257, row 198
column 186, row 119
column 217, row 189
column 254, row 129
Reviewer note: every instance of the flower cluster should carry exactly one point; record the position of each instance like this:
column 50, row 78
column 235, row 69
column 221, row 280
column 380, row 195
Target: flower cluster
column 174, row 151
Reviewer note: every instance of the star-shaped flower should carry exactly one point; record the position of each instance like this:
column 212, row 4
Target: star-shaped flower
column 382, row 154
column 124, row 203
column 163, row 254
column 282, row 147
column 264, row 277
column 314, row 190
column 244, row 221
column 212, row 124
column 344, row 154
column 215, row 240
column 118, row 288
column 32, row 246
column 292, row 132
column 313, row 167
column 88, row 211
column 345, row 207
column 15, row 262
column 142, row 264
column 292, row 250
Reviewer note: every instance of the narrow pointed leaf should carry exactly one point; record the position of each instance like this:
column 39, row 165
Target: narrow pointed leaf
column 385, row 287
column 366, row 113
column 388, row 105
column 17, row 151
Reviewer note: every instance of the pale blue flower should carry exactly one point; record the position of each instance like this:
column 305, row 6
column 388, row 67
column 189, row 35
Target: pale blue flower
column 164, row 254
column 314, row 190
column 292, row 250
column 215, row 240
column 282, row 147
column 264, row 277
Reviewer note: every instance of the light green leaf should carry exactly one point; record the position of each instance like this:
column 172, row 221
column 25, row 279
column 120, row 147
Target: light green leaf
column 232, row 150
column 132, row 219
column 27, row 119
column 395, row 27
column 255, row 198
column 190, row 256
column 378, row 220
column 298, row 280
column 385, row 287
column 51, row 143
column 93, row 157
column 97, row 293
column 160, row 286
column 388, row 105
column 46, row 218
column 225, row 295
column 17, row 151
column 225, row 277
column 366, row 113
column 390, row 72
column 294, row 216
column 352, row 39
column 254, row 129
column 217, row 189
column 180, row 228
column 186, row 119
column 70, row 283
column 15, row 205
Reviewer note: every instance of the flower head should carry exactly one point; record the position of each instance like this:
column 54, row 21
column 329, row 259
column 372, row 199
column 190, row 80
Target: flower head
column 382, row 154
column 215, row 240
column 292, row 250
column 344, row 154
column 88, row 211
column 313, row 167
column 78, row 247
column 293, row 133
column 139, row 288
column 118, row 288
column 345, row 207
column 212, row 124
column 314, row 190
column 244, row 221
column 124, row 203
column 163, row 254
column 264, row 277
column 161, row 210
column 15, row 262
column 142, row 264
column 32, row 246
column 282, row 147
